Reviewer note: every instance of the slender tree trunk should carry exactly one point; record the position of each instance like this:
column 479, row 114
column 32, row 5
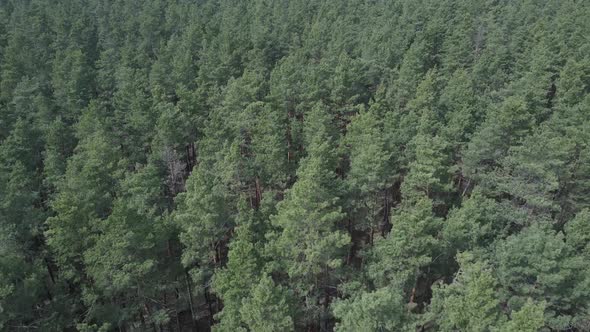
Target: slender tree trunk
column 351, row 250
column 289, row 153
column 466, row 187
column 190, row 295
column 49, row 271
column 258, row 195
column 413, row 295
column 149, row 312
column 178, row 326
column 209, row 306
column 142, row 320
column 386, row 225
column 177, row 297
column 213, row 246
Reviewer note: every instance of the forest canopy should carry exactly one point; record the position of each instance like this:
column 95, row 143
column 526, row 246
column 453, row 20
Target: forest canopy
column 294, row 165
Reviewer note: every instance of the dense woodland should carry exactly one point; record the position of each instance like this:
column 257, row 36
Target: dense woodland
column 274, row 165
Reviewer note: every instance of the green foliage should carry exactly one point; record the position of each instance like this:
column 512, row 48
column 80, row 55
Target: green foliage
column 85, row 197
column 537, row 263
column 369, row 175
column 577, row 231
column 21, row 283
column 381, row 310
column 470, row 302
column 476, row 224
column 235, row 282
column 428, row 175
column 203, row 219
column 410, row 246
column 503, row 128
column 528, row 319
column 294, row 165
column 308, row 243
column 459, row 102
column 368, row 153
column 268, row 308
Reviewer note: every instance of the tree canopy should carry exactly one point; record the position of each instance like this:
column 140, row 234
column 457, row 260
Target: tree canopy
column 274, row 165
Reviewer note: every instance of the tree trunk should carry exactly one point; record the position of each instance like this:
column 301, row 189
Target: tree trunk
column 49, row 271
column 149, row 312
column 142, row 320
column 258, row 194
column 190, row 295
column 209, row 306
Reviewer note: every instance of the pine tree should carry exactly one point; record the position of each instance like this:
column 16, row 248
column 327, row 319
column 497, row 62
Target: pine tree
column 428, row 174
column 534, row 172
column 410, row 246
column 529, row 318
column 268, row 308
column 369, row 176
column 124, row 261
column 537, row 263
column 309, row 246
column 21, row 283
column 504, row 127
column 381, row 310
column 85, row 197
column 235, row 282
column 460, row 106
column 59, row 144
column 204, row 220
column 470, row 302
column 476, row 224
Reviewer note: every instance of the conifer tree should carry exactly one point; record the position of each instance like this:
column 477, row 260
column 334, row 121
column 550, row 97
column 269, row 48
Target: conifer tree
column 268, row 308
column 381, row 310
column 369, row 176
column 309, row 244
column 470, row 302
column 85, row 196
column 234, row 283
column 551, row 273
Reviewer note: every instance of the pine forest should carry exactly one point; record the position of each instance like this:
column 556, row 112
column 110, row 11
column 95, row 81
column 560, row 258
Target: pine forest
column 295, row 165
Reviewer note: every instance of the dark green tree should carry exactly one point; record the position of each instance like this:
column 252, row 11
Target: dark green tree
column 309, row 245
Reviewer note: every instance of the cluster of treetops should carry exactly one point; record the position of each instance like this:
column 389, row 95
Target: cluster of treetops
column 294, row 165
